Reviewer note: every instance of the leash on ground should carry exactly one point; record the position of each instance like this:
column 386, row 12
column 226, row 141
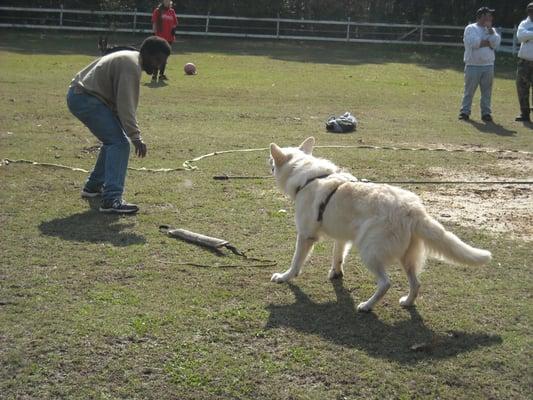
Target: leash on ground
column 225, row 177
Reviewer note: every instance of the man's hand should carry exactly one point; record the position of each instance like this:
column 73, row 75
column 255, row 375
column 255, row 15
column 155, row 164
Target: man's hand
column 140, row 148
column 484, row 43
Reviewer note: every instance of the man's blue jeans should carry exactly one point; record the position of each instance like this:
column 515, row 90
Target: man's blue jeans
column 482, row 76
column 110, row 170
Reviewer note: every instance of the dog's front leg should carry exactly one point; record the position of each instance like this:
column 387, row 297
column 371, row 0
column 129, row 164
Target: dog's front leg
column 304, row 246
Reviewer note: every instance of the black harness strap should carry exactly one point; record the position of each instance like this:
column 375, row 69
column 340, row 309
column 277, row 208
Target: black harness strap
column 311, row 180
column 323, row 205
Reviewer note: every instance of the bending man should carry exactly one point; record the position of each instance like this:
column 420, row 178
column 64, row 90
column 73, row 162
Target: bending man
column 104, row 96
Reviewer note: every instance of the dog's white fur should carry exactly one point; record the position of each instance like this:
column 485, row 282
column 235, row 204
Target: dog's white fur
column 387, row 224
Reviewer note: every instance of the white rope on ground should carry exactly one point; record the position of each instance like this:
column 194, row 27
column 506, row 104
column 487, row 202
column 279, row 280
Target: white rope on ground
column 188, row 165
column 7, row 161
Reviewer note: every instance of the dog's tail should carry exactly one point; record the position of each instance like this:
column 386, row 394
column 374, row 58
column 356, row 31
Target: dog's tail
column 444, row 244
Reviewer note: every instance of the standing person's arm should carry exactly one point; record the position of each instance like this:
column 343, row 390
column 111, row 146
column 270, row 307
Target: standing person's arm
column 494, row 38
column 155, row 16
column 127, row 100
column 471, row 39
column 523, row 34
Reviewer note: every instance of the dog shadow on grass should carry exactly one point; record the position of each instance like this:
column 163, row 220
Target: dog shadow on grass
column 155, row 85
column 406, row 341
column 94, row 227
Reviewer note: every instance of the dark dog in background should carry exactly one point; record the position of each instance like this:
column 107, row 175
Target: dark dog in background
column 105, row 48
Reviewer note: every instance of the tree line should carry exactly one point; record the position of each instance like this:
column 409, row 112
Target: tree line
column 450, row 12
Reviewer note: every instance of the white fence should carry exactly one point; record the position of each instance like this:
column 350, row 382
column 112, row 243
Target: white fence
column 240, row 27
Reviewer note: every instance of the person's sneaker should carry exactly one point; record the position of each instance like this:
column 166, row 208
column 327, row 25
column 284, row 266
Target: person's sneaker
column 118, row 206
column 487, row 118
column 154, row 78
column 163, row 77
column 464, row 117
column 523, row 118
column 90, row 193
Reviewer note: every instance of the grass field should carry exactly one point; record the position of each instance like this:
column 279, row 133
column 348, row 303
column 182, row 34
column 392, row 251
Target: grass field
column 98, row 307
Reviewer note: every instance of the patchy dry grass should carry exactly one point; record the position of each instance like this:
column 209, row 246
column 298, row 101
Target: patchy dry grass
column 94, row 306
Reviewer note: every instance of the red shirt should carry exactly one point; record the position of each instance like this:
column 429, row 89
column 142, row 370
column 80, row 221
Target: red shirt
column 169, row 21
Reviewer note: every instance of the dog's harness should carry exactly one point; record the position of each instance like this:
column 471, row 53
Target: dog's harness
column 311, row 180
column 324, row 203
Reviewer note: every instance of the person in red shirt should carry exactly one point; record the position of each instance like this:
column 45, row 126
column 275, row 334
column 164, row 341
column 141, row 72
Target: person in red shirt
column 164, row 22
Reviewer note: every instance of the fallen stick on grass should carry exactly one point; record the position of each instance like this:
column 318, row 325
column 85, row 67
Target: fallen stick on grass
column 267, row 263
column 212, row 243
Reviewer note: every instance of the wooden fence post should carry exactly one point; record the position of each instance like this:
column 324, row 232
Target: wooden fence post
column 421, row 40
column 135, row 19
column 277, row 28
column 61, row 16
column 514, row 40
column 348, row 30
column 207, row 22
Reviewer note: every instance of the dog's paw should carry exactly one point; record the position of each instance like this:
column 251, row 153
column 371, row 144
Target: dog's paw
column 405, row 303
column 364, row 307
column 278, row 278
column 335, row 275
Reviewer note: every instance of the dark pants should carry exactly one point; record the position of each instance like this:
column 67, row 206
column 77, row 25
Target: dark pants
column 524, row 84
column 112, row 163
column 162, row 68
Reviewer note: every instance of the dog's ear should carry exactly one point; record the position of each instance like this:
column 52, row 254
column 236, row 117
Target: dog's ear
column 307, row 145
column 277, row 154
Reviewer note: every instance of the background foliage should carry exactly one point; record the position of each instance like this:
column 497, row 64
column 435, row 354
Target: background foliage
column 456, row 12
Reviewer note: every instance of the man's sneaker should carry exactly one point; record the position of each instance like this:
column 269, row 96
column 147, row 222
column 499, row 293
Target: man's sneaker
column 523, row 118
column 163, row 77
column 90, row 193
column 464, row 117
column 118, row 207
column 154, row 78
column 487, row 118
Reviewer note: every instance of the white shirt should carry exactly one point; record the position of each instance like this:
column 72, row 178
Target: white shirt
column 525, row 37
column 474, row 54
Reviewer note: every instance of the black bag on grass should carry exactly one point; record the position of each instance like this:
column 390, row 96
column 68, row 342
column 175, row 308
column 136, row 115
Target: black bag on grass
column 343, row 124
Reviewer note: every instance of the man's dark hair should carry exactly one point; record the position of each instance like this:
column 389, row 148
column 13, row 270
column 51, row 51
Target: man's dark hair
column 484, row 11
column 154, row 45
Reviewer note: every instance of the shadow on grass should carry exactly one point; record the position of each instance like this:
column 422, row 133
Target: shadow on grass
column 492, row 127
column 155, row 85
column 93, row 226
column 405, row 341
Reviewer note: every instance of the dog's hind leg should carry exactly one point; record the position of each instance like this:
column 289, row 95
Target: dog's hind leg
column 414, row 285
column 413, row 262
column 383, row 285
column 304, row 247
column 340, row 250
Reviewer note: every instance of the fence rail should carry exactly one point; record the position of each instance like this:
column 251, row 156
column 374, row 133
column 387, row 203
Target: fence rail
column 134, row 21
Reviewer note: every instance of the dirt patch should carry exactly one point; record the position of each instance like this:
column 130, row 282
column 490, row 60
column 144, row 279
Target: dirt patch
column 515, row 165
column 496, row 208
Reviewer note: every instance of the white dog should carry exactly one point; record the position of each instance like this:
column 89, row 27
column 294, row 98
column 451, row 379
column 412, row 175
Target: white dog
column 386, row 223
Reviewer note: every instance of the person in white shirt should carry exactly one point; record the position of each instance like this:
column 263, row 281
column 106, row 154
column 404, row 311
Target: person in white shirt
column 524, row 72
column 480, row 40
